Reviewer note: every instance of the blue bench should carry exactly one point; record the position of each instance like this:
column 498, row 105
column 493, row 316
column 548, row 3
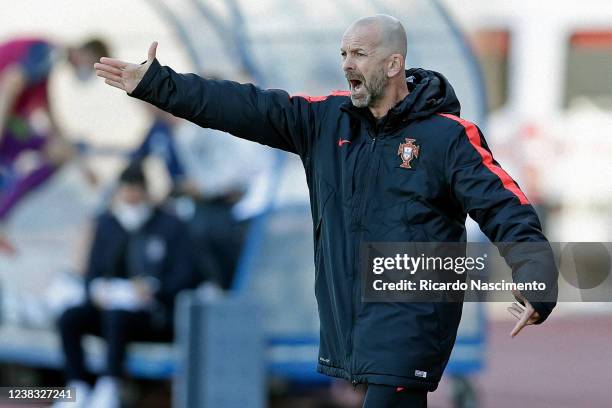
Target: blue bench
column 42, row 349
column 289, row 358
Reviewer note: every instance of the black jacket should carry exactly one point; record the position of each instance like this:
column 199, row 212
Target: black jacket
column 159, row 249
column 360, row 192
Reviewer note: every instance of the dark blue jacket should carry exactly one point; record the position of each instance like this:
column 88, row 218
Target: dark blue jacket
column 361, row 191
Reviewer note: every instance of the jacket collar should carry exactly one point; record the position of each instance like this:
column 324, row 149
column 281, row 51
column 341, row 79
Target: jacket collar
column 430, row 92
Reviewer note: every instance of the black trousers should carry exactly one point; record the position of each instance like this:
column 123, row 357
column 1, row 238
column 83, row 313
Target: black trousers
column 386, row 396
column 116, row 327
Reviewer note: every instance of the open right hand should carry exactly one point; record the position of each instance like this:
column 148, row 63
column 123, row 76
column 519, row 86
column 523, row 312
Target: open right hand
column 124, row 75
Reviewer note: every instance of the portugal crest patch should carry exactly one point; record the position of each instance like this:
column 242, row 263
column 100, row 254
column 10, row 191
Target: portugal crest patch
column 407, row 151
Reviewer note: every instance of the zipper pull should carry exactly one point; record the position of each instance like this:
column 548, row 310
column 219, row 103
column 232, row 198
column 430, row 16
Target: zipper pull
column 354, row 382
column 373, row 144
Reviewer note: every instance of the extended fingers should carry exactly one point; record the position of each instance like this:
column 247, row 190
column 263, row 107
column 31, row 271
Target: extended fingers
column 114, row 62
column 107, row 68
column 514, row 312
column 520, row 324
column 516, row 308
column 526, row 315
column 108, row 75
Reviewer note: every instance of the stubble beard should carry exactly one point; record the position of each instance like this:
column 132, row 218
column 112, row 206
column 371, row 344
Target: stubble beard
column 375, row 90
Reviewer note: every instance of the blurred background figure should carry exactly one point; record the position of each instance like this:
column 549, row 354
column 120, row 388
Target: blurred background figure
column 27, row 124
column 159, row 141
column 228, row 183
column 139, row 260
column 218, row 184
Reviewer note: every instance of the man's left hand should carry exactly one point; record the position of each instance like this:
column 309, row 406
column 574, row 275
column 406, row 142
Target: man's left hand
column 526, row 315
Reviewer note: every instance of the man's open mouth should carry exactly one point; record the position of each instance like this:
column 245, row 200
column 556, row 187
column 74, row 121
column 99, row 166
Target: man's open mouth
column 355, row 84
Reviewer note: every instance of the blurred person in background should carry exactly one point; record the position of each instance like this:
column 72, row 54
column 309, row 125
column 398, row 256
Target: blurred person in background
column 361, row 191
column 228, row 188
column 139, row 261
column 210, row 192
column 27, row 124
column 159, row 141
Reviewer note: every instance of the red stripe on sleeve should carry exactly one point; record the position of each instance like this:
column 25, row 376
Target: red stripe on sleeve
column 487, row 158
column 321, row 98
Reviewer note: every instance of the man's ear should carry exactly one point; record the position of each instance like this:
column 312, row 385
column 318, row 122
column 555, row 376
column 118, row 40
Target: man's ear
column 395, row 65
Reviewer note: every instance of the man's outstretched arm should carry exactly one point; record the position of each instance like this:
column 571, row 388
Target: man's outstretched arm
column 270, row 117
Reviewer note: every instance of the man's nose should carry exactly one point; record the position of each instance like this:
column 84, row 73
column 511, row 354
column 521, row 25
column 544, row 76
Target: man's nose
column 348, row 64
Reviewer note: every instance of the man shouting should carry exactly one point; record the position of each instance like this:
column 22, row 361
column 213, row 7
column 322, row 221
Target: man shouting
column 388, row 161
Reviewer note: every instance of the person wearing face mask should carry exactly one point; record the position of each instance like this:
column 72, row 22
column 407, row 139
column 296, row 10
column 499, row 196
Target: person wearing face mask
column 26, row 121
column 139, row 260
